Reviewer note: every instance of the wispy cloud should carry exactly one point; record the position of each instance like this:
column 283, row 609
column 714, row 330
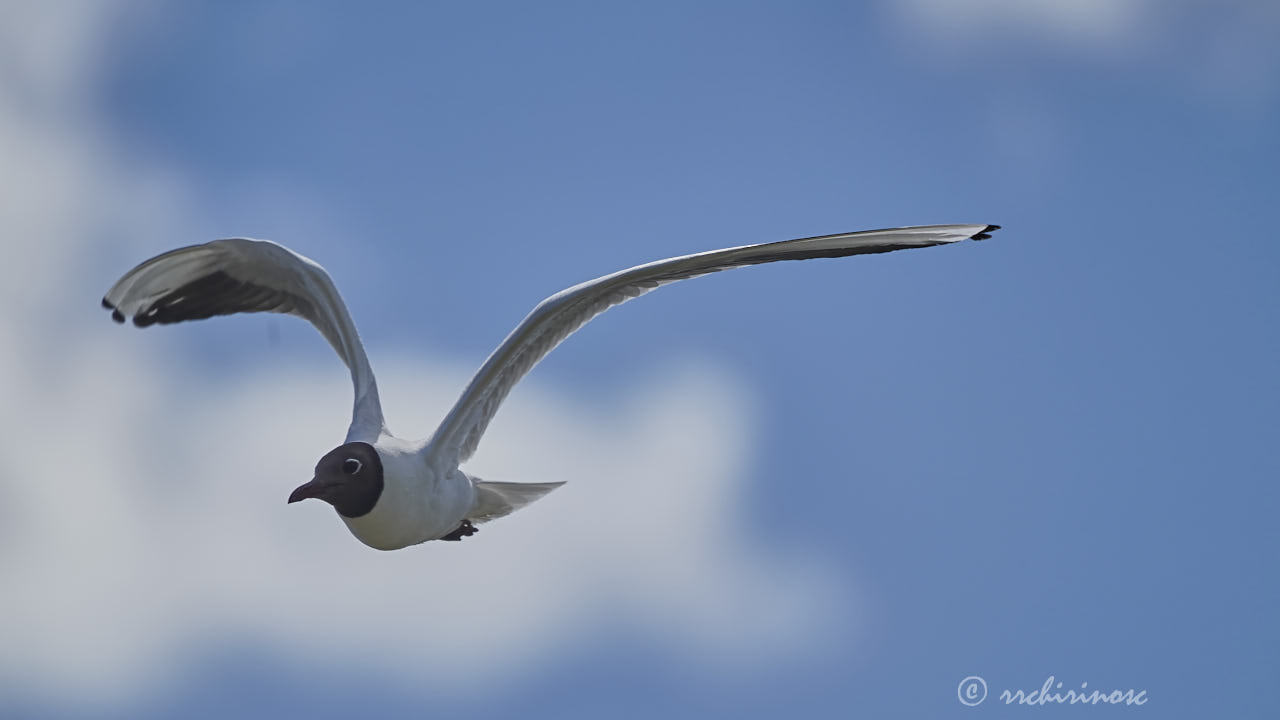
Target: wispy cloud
column 143, row 504
column 1221, row 48
column 1080, row 21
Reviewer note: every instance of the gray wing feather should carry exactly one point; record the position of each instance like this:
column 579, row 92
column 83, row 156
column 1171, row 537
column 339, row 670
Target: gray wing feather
column 240, row 275
column 560, row 315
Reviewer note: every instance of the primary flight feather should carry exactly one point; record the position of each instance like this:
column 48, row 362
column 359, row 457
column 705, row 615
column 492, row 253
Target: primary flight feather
column 393, row 493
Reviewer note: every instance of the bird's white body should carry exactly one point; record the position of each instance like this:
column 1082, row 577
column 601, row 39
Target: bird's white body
column 418, row 502
column 421, row 493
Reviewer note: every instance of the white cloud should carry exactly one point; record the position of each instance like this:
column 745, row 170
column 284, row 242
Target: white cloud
column 1224, row 49
column 1088, row 21
column 142, row 512
column 166, row 521
column 1221, row 55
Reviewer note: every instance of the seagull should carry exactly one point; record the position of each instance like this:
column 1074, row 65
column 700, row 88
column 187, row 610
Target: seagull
column 390, row 492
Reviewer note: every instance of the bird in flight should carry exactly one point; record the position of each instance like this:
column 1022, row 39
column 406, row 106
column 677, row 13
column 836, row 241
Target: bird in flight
column 390, row 492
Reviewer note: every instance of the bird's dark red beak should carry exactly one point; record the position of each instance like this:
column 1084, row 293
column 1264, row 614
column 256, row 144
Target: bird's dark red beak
column 310, row 490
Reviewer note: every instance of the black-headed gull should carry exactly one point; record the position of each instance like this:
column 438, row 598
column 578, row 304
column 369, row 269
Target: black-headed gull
column 393, row 493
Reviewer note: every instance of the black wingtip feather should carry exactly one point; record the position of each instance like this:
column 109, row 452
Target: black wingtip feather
column 986, row 232
column 115, row 314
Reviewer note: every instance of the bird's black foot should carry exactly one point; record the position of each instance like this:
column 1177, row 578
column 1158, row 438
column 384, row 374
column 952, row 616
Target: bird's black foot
column 466, row 529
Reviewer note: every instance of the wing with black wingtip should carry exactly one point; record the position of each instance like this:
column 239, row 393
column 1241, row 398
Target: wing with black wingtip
column 560, row 315
column 240, row 275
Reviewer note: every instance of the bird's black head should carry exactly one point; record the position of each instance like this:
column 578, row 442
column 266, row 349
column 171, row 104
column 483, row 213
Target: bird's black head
column 348, row 477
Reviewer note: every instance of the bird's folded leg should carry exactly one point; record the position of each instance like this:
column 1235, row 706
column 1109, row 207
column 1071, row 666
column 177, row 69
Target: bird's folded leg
column 464, row 530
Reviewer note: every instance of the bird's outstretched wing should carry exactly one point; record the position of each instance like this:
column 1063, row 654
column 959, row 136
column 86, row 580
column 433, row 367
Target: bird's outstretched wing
column 238, row 276
column 557, row 317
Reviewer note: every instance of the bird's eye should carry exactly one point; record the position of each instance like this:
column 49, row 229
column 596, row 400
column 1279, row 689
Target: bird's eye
column 351, row 466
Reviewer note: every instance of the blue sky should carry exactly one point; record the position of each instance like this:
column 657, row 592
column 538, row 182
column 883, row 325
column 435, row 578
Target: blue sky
column 1045, row 454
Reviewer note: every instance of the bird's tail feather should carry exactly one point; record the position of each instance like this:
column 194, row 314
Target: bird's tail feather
column 496, row 499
